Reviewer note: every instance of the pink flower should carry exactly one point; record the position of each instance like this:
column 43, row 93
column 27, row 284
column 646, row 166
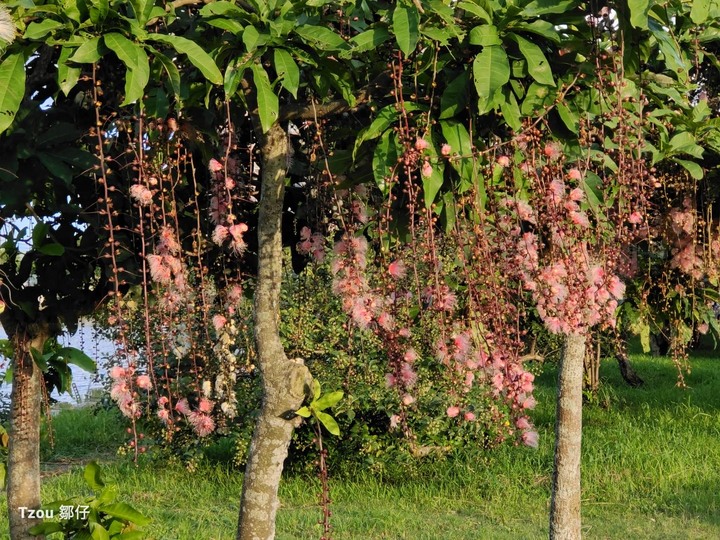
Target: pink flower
column 421, row 144
column 159, row 271
column 117, row 372
column 530, row 438
column 580, row 218
column 167, row 243
column 575, row 174
column 220, row 234
column 529, row 403
column 205, row 405
column 119, row 390
column 128, row 407
column 407, row 399
column 616, row 287
column 427, row 169
column 236, row 231
column 143, row 382
column 453, row 411
column 445, row 150
column 577, row 195
column 469, row 416
column 229, row 183
column 390, row 380
column 163, row 415
column 183, row 406
column 163, row 401
column 219, row 322
column 385, row 321
column 215, row 166
column 410, row 355
column 408, row 375
column 235, row 294
column 703, row 328
column 141, row 194
column 503, row 161
column 635, row 218
column 202, row 424
column 397, row 269
column 394, row 421
column 552, row 151
column 523, row 423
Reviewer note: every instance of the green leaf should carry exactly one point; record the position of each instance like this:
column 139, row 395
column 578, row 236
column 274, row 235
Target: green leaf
column 48, row 527
column 126, row 512
column 252, row 39
column 136, row 60
column 12, row 88
column 38, row 30
column 405, row 25
column 385, row 118
column 98, row 10
column 545, row 7
column 98, row 532
column 485, row 35
column 541, row 28
column 225, row 9
column 267, row 100
column 321, row 38
column 329, row 422
column 40, row 231
column 142, row 9
column 700, row 11
column 197, row 56
column 328, row 400
column 315, row 389
column 384, row 160
column 569, row 118
column 75, row 356
column 511, row 110
column 685, row 143
column 93, row 477
column 433, row 183
column 370, row 39
column 458, row 137
column 53, row 250
column 455, row 97
column 695, row 170
column 304, row 412
column 538, row 65
column 491, row 70
column 170, row 68
column 287, row 68
column 67, row 76
column 639, row 13
column 89, row 52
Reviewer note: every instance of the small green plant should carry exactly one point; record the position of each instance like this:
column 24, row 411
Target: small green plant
column 98, row 517
column 4, row 441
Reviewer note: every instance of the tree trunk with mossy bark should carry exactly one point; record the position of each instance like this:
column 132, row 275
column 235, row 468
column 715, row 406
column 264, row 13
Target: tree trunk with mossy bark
column 23, row 481
column 284, row 381
column 565, row 521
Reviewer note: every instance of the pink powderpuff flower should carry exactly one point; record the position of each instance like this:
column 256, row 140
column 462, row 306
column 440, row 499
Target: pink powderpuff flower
column 215, row 166
column 503, row 161
column 128, row 407
column 390, row 380
column 530, row 438
column 575, row 174
column 410, row 356
column 445, row 149
column 635, row 218
column 117, row 372
column 229, row 183
column 143, row 382
column 183, row 407
column 580, row 218
column 397, row 269
column 167, row 243
column 421, row 144
column 469, row 379
column 219, row 322
column 469, row 416
column 529, row 403
column 235, row 294
column 203, row 425
column 616, row 287
column 385, row 321
column 523, row 423
column 159, row 271
column 141, row 194
column 163, row 415
column 119, row 390
column 427, row 169
column 163, row 401
column 703, row 328
column 394, row 421
column 408, row 375
column 453, row 411
column 577, row 195
column 220, row 234
column 404, row 332
column 407, row 400
column 205, row 405
column 552, row 151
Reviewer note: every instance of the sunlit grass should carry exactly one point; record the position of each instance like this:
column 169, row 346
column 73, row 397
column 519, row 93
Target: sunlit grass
column 651, row 468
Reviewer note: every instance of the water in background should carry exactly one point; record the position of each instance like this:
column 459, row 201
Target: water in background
column 87, row 341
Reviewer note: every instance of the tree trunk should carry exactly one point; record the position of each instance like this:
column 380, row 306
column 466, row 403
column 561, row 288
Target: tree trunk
column 23, row 483
column 285, row 382
column 565, row 501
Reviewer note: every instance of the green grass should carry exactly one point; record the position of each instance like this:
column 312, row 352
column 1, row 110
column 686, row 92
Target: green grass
column 651, row 470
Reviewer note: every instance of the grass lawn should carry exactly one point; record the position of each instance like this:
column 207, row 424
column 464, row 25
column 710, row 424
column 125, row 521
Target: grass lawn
column 651, row 470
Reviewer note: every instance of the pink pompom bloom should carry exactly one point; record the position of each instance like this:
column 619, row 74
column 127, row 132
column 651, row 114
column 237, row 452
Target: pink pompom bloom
column 529, row 403
column 163, row 401
column 205, row 405
column 163, row 415
column 577, row 195
column 575, row 174
column 703, row 328
column 427, row 169
column 469, row 416
column 445, row 149
column 141, row 194
column 453, row 411
column 397, row 269
column 616, row 287
column 407, row 399
column 143, row 382
column 220, row 234
column 215, row 166
column 552, row 151
column 503, row 161
column 421, row 144
column 219, row 322
column 522, row 423
column 183, row 406
column 117, row 372
column 202, row 424
column 635, row 218
column 530, row 438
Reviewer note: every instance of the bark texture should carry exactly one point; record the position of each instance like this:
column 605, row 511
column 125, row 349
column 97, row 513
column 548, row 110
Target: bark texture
column 565, row 501
column 23, row 480
column 285, row 381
